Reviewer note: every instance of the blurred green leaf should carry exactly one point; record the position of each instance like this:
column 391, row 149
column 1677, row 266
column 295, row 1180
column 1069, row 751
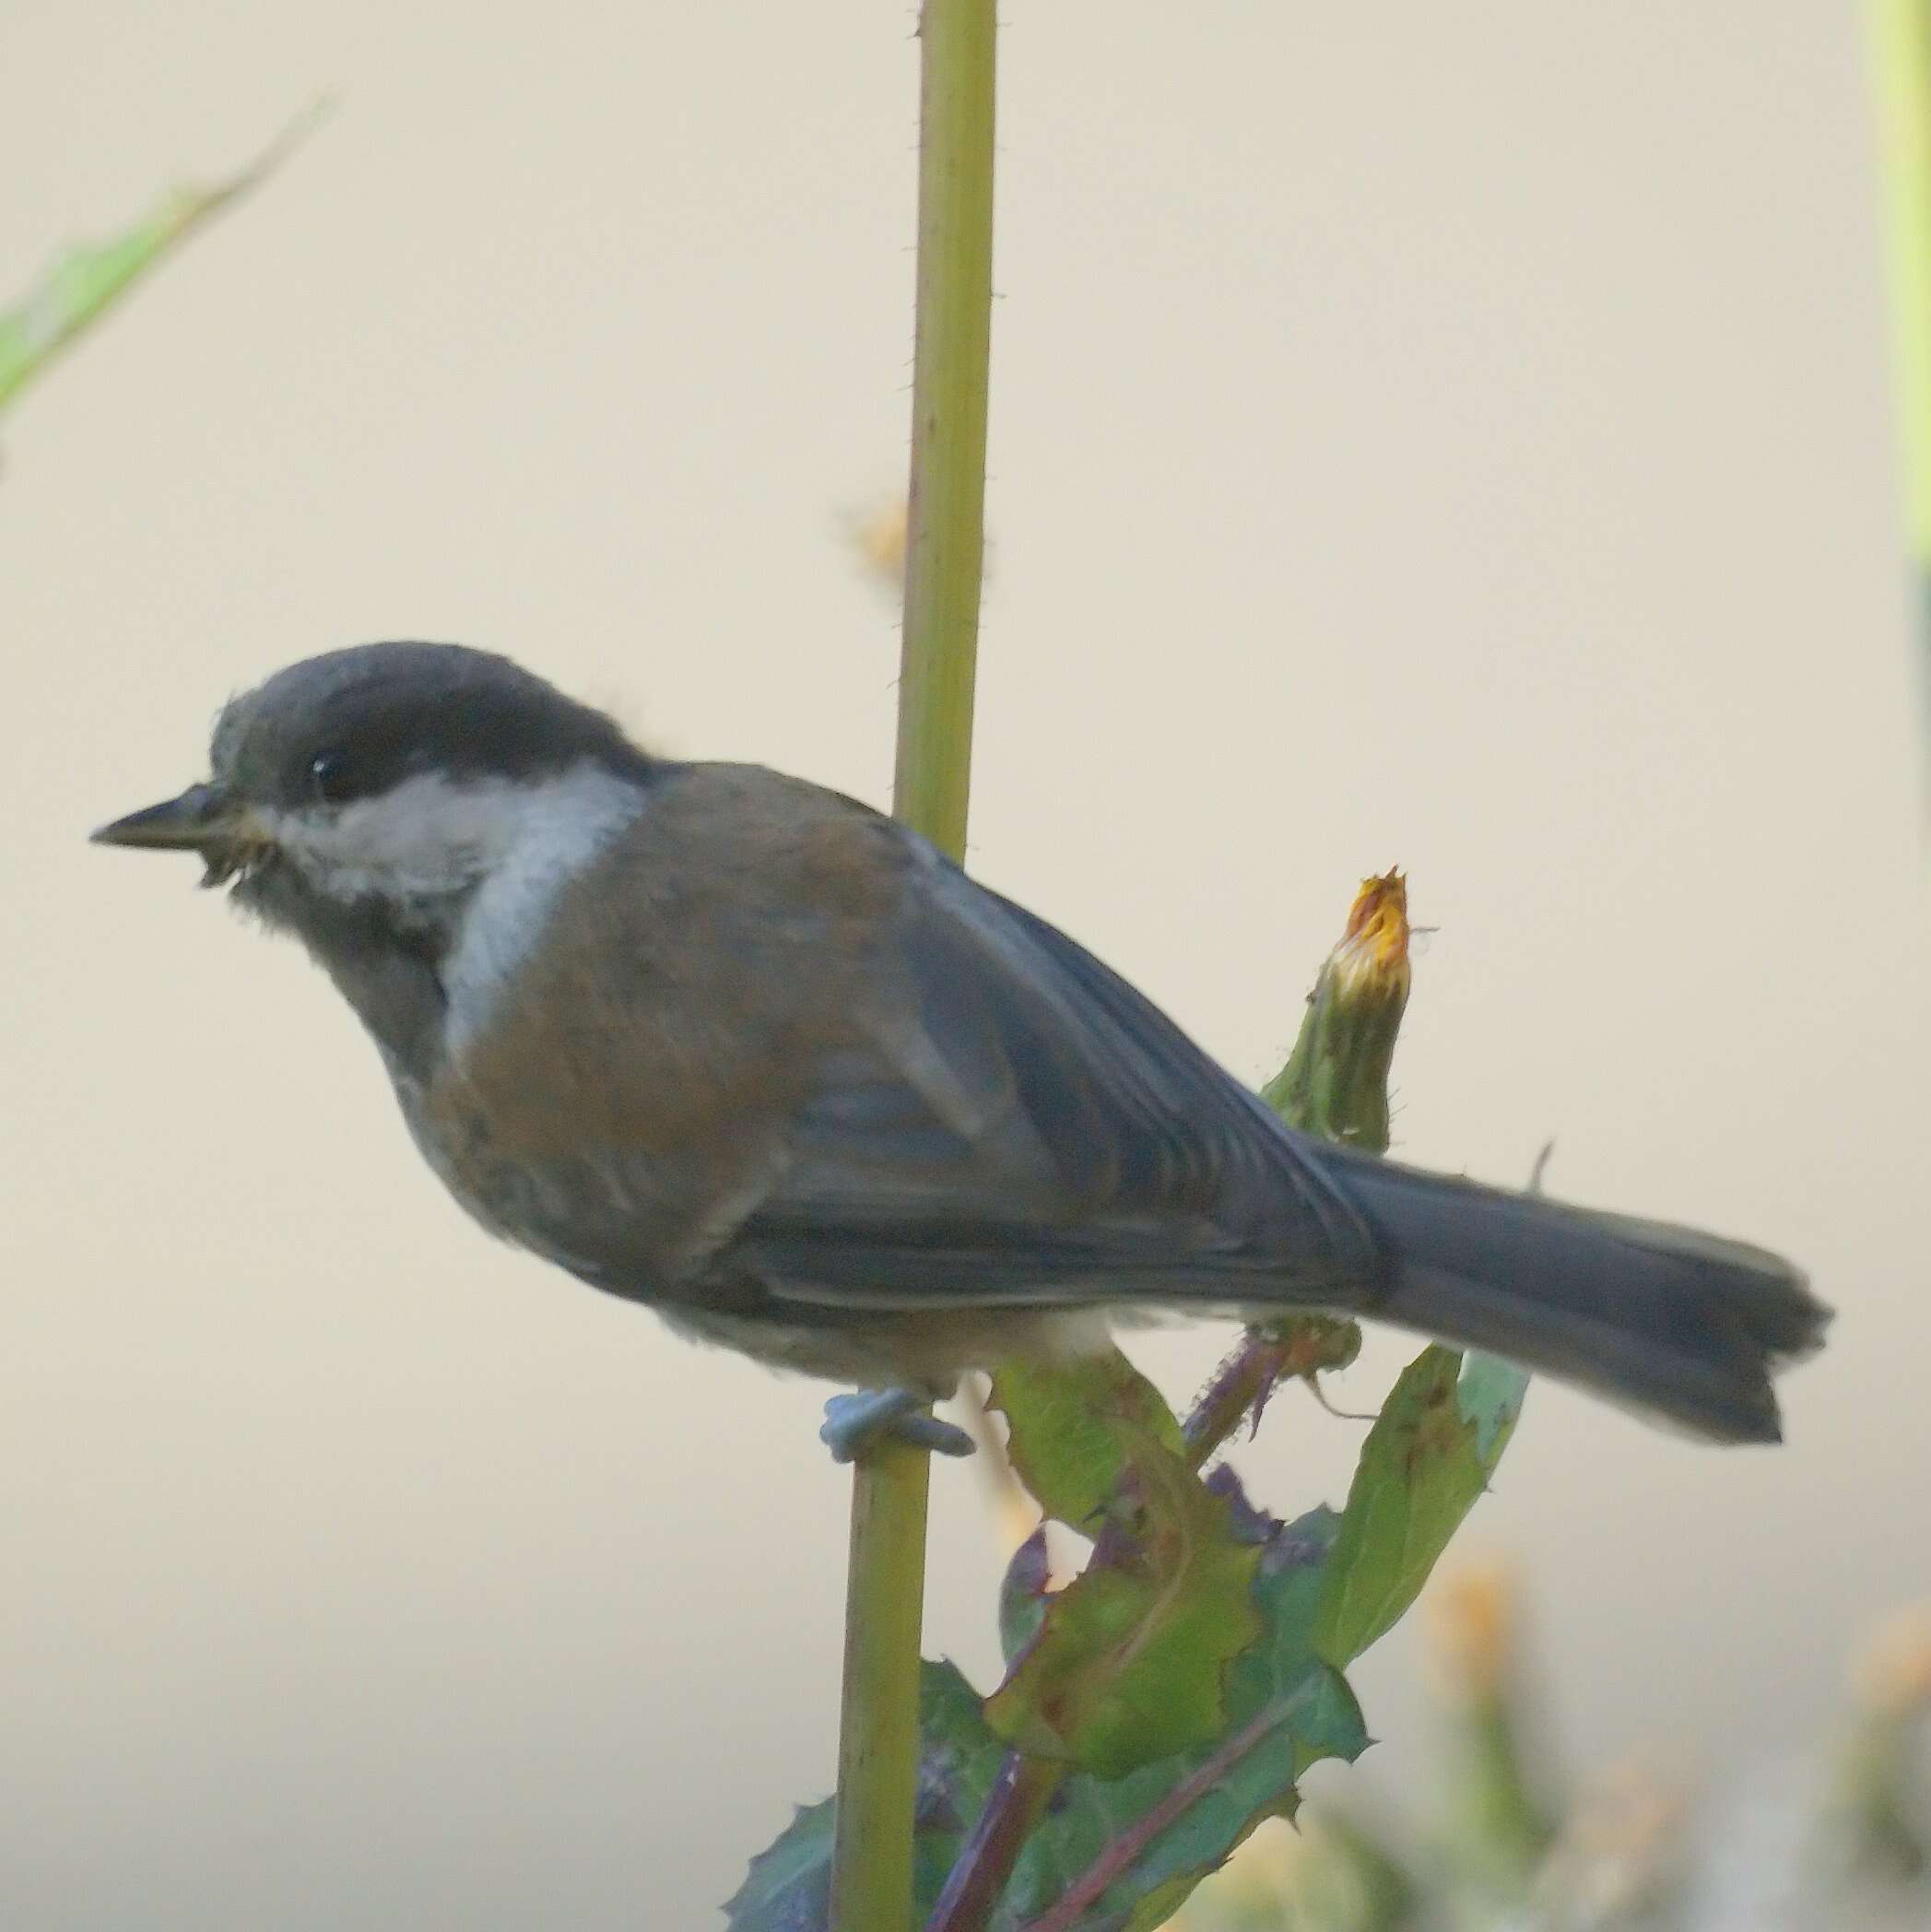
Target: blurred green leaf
column 1161, row 1905
column 1067, row 1444
column 1128, row 1661
column 1441, row 1431
column 1489, row 1394
column 1126, row 1852
column 958, row 1759
column 788, row 1888
column 1352, row 1882
column 85, row 282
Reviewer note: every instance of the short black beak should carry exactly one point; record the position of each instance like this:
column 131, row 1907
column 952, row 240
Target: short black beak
column 204, row 815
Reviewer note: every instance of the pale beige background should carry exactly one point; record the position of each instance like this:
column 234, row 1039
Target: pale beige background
column 1455, row 437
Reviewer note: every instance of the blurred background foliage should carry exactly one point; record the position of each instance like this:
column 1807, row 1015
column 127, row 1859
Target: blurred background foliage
column 1834, row 1839
column 89, row 279
column 1901, row 45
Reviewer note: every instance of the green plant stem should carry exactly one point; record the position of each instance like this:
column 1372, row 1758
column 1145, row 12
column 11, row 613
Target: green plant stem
column 1900, row 43
column 945, row 543
column 877, row 1753
column 879, row 1733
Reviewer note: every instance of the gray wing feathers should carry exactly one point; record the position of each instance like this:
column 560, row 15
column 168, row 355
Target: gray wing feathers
column 1021, row 1126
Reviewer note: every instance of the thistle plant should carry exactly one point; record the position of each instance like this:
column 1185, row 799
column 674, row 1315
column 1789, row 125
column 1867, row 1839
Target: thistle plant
column 1158, row 1708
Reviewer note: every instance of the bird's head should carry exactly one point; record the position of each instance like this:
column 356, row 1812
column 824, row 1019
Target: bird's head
column 365, row 799
column 386, row 780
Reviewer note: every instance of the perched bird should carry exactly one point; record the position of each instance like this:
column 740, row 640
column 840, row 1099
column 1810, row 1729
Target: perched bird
column 737, row 1047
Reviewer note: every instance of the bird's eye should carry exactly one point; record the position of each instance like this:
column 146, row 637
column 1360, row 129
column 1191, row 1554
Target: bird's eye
column 330, row 778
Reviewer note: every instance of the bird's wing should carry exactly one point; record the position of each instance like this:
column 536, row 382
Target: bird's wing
column 1015, row 1123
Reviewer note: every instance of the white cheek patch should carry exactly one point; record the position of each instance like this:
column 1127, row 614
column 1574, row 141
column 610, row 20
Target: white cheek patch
column 418, row 849
column 428, row 837
column 563, row 827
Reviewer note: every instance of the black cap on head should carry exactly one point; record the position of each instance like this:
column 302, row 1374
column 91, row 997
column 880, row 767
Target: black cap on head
column 355, row 722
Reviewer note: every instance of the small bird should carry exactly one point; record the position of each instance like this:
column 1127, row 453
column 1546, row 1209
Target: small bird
column 740, row 1048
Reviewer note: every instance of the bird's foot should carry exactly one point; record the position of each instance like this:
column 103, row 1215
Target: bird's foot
column 852, row 1424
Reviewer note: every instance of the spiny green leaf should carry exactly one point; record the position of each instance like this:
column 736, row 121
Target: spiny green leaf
column 1160, row 1905
column 87, row 281
column 1127, row 1664
column 959, row 1756
column 1145, row 1840
column 1066, row 1445
column 958, row 1759
column 788, row 1886
column 1441, row 1434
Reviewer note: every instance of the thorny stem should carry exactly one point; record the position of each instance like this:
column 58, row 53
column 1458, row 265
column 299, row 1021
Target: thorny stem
column 877, row 1752
column 1022, row 1791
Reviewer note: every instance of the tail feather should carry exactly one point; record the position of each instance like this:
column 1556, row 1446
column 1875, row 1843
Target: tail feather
column 1684, row 1325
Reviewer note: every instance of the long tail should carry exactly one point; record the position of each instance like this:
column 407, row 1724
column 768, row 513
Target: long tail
column 1683, row 1325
